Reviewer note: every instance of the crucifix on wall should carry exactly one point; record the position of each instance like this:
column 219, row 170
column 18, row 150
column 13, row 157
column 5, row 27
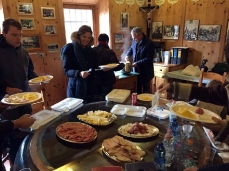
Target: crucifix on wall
column 148, row 10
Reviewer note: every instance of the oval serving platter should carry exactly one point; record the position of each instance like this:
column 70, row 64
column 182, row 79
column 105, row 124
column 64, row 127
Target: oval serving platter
column 74, row 128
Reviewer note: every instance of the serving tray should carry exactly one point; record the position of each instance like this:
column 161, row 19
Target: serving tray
column 136, row 111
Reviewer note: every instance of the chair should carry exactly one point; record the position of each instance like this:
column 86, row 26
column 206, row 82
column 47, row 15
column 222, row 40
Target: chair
column 211, row 76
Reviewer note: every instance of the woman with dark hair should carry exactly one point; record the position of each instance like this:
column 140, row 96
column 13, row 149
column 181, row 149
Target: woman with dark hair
column 79, row 62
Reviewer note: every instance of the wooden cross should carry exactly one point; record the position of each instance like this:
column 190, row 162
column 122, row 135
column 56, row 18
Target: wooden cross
column 148, row 9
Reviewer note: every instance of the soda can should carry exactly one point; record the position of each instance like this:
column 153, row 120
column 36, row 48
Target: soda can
column 134, row 102
column 134, row 96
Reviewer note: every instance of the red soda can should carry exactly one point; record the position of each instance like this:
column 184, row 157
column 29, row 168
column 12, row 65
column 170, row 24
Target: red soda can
column 134, row 99
column 134, row 96
column 134, row 102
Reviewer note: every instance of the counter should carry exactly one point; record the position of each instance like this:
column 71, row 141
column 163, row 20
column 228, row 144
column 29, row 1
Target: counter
column 43, row 150
column 126, row 81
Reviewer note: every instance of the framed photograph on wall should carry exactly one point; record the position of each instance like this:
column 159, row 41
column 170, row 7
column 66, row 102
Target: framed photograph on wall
column 27, row 23
column 50, row 29
column 157, row 30
column 53, row 47
column 119, row 38
column 124, row 20
column 171, row 32
column 191, row 29
column 24, row 8
column 48, row 13
column 227, row 36
column 31, row 42
column 209, row 33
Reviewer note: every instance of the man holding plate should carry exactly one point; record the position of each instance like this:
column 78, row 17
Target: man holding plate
column 16, row 68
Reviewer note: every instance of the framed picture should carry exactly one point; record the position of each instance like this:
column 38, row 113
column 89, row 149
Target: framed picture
column 31, row 42
column 209, row 33
column 124, row 20
column 227, row 36
column 54, row 47
column 191, row 29
column 24, row 8
column 48, row 13
column 27, row 23
column 50, row 29
column 119, row 38
column 157, row 30
column 171, row 32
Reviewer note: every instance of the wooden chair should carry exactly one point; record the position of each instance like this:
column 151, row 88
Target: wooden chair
column 211, row 76
column 41, row 104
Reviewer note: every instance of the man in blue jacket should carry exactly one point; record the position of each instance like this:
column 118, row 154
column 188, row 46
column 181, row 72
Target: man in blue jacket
column 142, row 52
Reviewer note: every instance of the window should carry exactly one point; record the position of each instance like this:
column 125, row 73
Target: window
column 74, row 19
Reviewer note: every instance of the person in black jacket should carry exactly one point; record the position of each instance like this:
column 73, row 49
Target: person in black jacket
column 142, row 51
column 106, row 79
column 7, row 126
column 16, row 68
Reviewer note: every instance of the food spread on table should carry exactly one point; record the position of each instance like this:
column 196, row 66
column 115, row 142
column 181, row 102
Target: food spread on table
column 138, row 130
column 98, row 117
column 76, row 132
column 121, row 149
column 187, row 113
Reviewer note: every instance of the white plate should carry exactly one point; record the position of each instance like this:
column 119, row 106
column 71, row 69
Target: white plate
column 41, row 79
column 152, row 131
column 145, row 97
column 108, row 66
column 205, row 118
column 14, row 99
column 43, row 117
column 161, row 114
column 137, row 111
column 66, row 104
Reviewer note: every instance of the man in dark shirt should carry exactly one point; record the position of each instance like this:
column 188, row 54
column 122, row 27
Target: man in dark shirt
column 16, row 68
column 106, row 79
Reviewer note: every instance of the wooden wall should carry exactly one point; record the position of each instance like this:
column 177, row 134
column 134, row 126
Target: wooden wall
column 51, row 63
column 208, row 12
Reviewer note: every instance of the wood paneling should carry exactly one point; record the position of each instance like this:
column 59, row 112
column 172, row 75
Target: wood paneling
column 51, row 63
column 208, row 12
column 81, row 2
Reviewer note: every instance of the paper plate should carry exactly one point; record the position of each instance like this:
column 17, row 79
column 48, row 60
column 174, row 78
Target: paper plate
column 188, row 112
column 108, row 66
column 145, row 97
column 22, row 98
column 41, row 79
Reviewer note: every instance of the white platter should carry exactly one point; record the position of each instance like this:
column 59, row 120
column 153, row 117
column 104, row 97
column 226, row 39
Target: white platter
column 41, row 79
column 118, row 95
column 43, row 117
column 136, row 111
column 15, row 99
column 108, row 66
column 66, row 104
column 145, row 97
column 205, row 118
column 161, row 114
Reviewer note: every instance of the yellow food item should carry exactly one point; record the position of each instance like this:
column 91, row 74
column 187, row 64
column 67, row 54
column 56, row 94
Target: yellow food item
column 40, row 79
column 147, row 98
column 29, row 96
column 186, row 113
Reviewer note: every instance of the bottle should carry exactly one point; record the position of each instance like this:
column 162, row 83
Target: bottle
column 174, row 127
column 159, row 159
column 168, row 145
column 171, row 114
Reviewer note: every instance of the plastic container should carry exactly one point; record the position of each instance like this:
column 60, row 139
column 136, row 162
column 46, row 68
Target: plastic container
column 172, row 115
column 168, row 145
column 174, row 127
column 158, row 113
column 159, row 159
